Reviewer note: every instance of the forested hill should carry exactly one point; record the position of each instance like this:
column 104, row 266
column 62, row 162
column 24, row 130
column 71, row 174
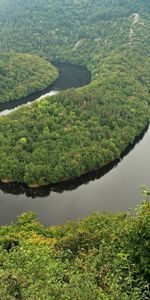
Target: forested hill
column 23, row 74
column 65, row 29
column 78, row 130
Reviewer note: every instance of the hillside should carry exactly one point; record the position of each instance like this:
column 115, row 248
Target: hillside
column 78, row 130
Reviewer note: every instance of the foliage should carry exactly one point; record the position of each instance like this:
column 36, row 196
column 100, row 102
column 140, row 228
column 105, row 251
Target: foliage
column 104, row 256
column 23, row 74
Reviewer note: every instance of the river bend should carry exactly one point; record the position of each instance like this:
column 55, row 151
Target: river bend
column 116, row 188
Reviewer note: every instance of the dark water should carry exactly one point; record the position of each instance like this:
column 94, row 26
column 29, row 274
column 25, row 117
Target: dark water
column 116, row 187
column 70, row 75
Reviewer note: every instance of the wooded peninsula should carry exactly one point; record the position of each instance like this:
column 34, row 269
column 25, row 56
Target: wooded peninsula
column 23, row 74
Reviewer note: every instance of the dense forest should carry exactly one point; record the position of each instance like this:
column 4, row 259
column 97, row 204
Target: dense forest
column 23, row 74
column 78, row 130
column 104, row 256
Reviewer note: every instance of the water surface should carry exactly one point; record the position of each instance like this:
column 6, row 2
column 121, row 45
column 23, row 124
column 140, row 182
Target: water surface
column 70, row 75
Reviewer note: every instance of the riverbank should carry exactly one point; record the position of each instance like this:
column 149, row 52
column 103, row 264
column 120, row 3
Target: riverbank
column 84, row 177
column 77, row 146
column 80, row 76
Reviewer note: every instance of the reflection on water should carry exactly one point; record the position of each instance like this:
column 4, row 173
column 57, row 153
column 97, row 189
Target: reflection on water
column 17, row 189
column 118, row 190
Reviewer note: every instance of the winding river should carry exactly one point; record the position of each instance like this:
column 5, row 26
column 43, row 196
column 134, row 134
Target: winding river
column 117, row 187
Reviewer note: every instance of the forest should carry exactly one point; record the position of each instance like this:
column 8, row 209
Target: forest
column 104, row 256
column 23, row 74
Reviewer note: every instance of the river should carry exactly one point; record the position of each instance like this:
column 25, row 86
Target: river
column 116, row 188
column 70, row 75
